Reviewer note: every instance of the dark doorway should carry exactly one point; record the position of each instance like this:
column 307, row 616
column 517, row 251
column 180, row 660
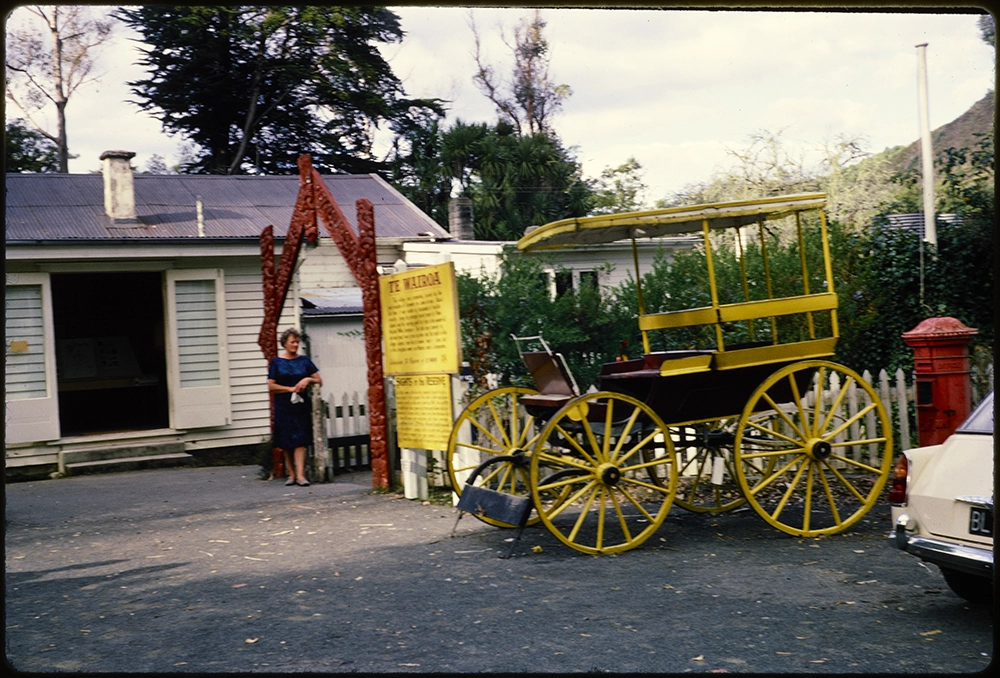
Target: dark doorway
column 110, row 355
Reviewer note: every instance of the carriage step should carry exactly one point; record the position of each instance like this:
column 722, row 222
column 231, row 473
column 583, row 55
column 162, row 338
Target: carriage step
column 499, row 506
column 506, row 508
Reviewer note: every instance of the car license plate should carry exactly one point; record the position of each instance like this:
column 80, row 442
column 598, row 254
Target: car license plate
column 981, row 521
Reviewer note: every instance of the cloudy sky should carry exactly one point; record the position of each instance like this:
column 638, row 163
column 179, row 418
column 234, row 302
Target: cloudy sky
column 674, row 89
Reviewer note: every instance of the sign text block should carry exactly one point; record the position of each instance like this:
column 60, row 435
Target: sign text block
column 420, row 321
column 423, row 411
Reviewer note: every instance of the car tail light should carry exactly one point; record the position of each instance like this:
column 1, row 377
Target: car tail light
column 897, row 484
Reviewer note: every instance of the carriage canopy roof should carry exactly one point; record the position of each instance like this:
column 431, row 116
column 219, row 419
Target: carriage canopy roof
column 664, row 222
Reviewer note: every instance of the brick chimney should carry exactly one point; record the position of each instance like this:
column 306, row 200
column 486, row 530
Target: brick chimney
column 119, row 194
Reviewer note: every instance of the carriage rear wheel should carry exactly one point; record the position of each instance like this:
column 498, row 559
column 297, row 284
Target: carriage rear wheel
column 494, row 424
column 827, row 443
column 706, row 480
column 590, row 473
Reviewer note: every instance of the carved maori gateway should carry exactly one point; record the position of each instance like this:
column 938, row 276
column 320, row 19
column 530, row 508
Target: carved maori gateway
column 358, row 251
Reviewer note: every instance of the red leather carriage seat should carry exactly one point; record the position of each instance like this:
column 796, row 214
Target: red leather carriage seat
column 549, row 373
column 555, row 388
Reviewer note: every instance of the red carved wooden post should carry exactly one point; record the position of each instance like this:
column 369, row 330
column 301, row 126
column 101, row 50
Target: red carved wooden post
column 303, row 223
column 368, row 264
column 359, row 253
column 268, row 340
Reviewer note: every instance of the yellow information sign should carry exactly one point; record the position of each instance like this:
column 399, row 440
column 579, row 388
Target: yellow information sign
column 420, row 321
column 423, row 411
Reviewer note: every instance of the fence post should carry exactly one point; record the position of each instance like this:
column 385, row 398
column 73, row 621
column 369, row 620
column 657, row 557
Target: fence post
column 332, row 434
column 395, row 463
column 349, row 430
column 465, row 457
column 414, row 463
column 830, row 396
column 870, row 417
column 321, row 453
column 360, row 427
column 852, row 410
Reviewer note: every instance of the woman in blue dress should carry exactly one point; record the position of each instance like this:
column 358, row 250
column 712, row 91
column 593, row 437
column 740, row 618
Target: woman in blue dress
column 288, row 376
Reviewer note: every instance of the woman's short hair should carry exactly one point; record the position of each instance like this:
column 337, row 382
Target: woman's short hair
column 289, row 333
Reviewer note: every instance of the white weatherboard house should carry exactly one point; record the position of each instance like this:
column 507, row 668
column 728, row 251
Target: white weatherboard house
column 605, row 266
column 133, row 305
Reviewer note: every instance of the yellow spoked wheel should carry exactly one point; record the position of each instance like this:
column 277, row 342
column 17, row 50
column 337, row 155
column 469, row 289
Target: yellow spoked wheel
column 828, row 444
column 706, row 479
column 494, row 424
column 591, row 469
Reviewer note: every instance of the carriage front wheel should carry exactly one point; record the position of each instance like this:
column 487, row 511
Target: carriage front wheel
column 590, row 473
column 492, row 425
column 827, row 443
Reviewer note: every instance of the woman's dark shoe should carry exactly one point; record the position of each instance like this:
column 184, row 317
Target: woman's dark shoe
column 290, row 481
column 302, row 483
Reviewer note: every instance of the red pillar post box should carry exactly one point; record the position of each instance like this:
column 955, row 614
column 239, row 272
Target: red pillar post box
column 944, row 387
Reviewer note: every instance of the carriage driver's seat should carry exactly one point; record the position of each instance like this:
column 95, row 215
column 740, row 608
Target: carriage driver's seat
column 553, row 379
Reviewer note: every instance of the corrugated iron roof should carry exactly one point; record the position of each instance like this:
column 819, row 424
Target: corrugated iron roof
column 71, row 206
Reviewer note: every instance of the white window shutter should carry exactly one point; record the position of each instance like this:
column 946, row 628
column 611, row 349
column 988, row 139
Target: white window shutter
column 32, row 404
column 197, row 356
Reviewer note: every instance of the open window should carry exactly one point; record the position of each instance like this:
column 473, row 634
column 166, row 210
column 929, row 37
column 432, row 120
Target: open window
column 197, row 355
column 32, row 406
column 589, row 280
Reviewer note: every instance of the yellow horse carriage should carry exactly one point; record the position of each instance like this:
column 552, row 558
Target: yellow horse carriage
column 769, row 421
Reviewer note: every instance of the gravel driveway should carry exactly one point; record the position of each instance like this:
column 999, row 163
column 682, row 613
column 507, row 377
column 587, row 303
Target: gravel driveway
column 213, row 570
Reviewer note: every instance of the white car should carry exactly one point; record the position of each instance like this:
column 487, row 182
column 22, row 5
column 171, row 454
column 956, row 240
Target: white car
column 942, row 505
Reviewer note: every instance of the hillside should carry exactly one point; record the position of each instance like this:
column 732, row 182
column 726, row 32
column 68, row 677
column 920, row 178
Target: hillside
column 960, row 132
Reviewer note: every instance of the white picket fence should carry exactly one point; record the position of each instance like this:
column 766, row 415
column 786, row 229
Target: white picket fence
column 345, row 421
column 347, row 415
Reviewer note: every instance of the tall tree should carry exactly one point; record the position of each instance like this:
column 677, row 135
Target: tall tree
column 620, row 189
column 514, row 181
column 254, row 87
column 858, row 184
column 50, row 53
column 529, row 99
column 26, row 150
column 517, row 172
column 417, row 167
column 156, row 165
